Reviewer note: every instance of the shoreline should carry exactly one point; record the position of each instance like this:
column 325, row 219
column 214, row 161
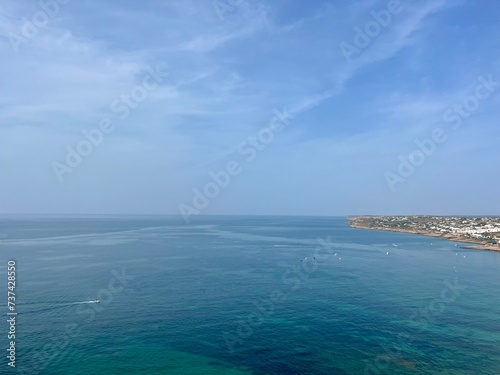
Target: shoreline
column 455, row 238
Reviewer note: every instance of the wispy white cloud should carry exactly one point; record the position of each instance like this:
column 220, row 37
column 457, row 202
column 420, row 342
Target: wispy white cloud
column 225, row 78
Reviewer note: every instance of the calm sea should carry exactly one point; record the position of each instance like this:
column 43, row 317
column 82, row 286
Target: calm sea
column 244, row 295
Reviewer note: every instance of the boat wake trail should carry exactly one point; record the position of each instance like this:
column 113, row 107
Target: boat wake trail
column 78, row 303
column 32, row 308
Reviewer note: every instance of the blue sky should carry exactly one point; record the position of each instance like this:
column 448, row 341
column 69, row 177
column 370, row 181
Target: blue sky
column 227, row 67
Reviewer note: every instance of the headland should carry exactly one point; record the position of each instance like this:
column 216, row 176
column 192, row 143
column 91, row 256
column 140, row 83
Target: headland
column 483, row 231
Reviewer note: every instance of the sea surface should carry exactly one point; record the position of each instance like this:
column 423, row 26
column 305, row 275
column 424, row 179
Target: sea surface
column 241, row 295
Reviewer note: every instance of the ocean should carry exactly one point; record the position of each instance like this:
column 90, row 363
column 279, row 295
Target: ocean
column 241, row 295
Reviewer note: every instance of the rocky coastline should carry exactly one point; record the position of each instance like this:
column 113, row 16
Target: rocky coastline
column 440, row 227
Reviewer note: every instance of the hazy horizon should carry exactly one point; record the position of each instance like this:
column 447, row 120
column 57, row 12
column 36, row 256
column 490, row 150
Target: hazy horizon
column 90, row 215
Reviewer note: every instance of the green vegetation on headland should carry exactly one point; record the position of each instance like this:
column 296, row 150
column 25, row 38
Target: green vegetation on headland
column 484, row 231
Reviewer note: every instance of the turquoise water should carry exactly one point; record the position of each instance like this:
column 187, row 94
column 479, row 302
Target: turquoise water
column 235, row 295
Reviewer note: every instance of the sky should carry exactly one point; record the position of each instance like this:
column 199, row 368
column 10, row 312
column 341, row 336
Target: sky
column 257, row 107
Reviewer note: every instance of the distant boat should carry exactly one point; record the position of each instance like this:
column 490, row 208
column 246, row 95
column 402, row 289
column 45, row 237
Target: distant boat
column 395, row 245
column 96, row 301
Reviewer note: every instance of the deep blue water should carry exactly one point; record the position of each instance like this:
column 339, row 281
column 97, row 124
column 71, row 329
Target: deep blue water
column 235, row 295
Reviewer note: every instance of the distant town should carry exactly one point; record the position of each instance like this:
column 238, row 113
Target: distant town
column 484, row 231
